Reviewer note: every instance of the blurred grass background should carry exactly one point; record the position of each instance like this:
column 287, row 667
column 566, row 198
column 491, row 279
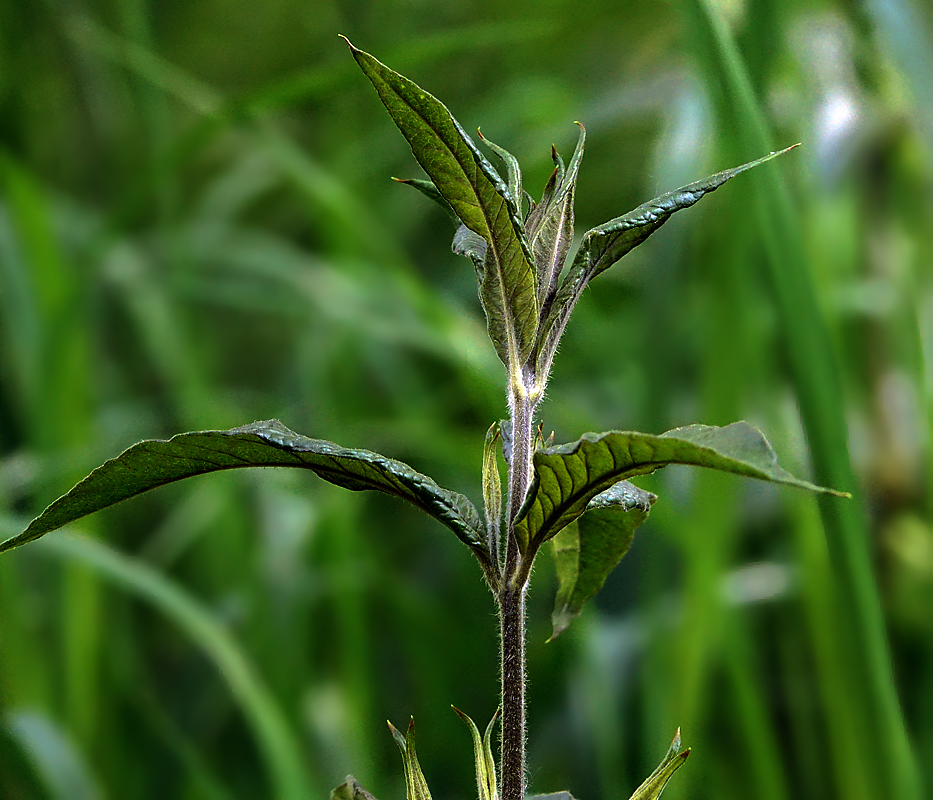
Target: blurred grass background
column 197, row 229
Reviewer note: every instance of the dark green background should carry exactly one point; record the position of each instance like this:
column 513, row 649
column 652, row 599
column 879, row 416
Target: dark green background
column 197, row 230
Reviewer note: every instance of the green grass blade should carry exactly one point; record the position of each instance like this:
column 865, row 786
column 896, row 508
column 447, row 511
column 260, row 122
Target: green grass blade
column 815, row 376
column 53, row 755
column 276, row 741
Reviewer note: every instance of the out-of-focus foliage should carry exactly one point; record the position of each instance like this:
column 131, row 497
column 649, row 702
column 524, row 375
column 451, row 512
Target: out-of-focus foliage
column 197, row 230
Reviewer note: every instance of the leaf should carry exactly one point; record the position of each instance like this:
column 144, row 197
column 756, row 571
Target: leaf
column 550, row 227
column 429, row 190
column 570, row 475
column 482, row 751
column 415, row 785
column 150, row 464
column 474, row 190
column 590, row 547
column 350, row 790
column 654, row 784
column 492, row 487
column 552, row 796
column 513, row 170
column 604, row 245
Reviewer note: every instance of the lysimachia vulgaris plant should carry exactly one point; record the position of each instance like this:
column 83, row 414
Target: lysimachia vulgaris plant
column 575, row 496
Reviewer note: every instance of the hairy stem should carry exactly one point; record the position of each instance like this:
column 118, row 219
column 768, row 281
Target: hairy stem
column 512, row 602
column 512, row 621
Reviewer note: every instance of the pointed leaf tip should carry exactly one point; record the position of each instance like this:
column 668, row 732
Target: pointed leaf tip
column 154, row 463
column 479, row 198
column 569, row 476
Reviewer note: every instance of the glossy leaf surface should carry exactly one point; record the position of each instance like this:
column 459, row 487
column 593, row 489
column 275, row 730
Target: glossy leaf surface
column 604, row 245
column 474, row 190
column 589, row 548
column 653, row 786
column 569, row 476
column 150, row 464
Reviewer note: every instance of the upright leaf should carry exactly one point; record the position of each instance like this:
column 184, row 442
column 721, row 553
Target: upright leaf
column 550, row 227
column 590, row 547
column 513, row 170
column 482, row 752
column 492, row 487
column 654, row 784
column 471, row 186
column 416, row 786
column 570, row 475
column 604, row 245
column 150, row 464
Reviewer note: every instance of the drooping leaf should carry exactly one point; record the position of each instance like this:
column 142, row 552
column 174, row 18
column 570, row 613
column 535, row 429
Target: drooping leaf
column 570, row 475
column 492, row 486
column 604, row 245
column 429, row 190
column 590, row 547
column 416, row 786
column 474, row 190
column 482, row 752
column 150, row 464
column 553, row 796
column 513, row 170
column 550, row 228
column 350, row 790
column 653, row 786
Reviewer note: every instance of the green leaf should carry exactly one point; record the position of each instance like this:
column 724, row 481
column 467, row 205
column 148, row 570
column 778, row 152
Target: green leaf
column 549, row 228
column 569, row 476
column 589, row 548
column 350, row 790
column 513, row 170
column 604, row 245
column 492, row 486
column 474, row 190
column 429, row 190
column 415, row 785
column 154, row 463
column 482, row 751
column 552, row 796
column 653, row 786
